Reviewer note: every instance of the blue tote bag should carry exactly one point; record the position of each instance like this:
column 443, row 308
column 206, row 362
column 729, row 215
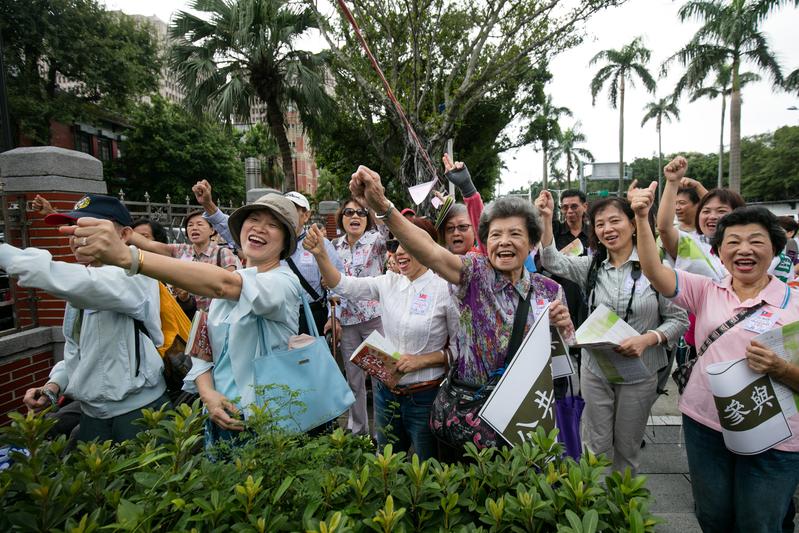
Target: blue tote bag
column 309, row 388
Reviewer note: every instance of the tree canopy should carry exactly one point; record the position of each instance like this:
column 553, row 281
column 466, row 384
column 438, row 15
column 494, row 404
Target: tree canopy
column 108, row 58
column 168, row 150
column 449, row 64
column 243, row 49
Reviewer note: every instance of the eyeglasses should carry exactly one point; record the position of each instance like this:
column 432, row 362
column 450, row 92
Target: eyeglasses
column 570, row 207
column 449, row 230
column 350, row 212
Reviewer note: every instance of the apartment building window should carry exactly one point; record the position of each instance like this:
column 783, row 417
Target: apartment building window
column 104, row 146
column 83, row 143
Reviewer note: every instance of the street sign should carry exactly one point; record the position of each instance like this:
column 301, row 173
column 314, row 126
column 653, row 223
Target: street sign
column 608, row 171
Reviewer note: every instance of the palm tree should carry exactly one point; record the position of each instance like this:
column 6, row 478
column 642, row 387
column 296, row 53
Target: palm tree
column 243, row 49
column 792, row 81
column 567, row 148
column 721, row 88
column 658, row 110
column 623, row 66
column 730, row 35
column 544, row 129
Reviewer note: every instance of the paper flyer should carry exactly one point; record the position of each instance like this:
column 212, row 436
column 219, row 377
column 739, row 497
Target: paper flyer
column 753, row 409
column 574, row 248
column 784, row 342
column 600, row 334
column 420, row 192
column 524, row 398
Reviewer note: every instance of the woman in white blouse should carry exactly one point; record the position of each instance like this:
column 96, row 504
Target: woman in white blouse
column 418, row 318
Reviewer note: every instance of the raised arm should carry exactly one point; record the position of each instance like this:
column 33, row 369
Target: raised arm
column 546, row 207
column 214, row 215
column 670, row 235
column 103, row 243
column 662, row 278
column 142, row 242
column 314, row 242
column 459, row 175
column 366, row 187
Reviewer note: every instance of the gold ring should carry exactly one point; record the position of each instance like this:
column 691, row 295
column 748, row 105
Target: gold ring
column 83, row 242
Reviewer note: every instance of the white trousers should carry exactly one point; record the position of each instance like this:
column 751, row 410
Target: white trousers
column 614, row 419
column 351, row 337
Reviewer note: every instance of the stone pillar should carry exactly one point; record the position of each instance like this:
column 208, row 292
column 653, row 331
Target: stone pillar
column 63, row 177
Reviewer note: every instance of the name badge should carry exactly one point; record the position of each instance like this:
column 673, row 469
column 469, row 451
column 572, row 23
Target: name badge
column 420, row 304
column 540, row 304
column 307, row 258
column 761, row 321
column 359, row 256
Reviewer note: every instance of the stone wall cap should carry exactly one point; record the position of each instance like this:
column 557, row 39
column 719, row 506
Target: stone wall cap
column 49, row 161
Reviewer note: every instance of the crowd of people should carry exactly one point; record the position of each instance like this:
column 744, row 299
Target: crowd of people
column 450, row 297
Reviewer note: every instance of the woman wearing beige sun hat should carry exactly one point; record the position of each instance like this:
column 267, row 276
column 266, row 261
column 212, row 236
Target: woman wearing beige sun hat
column 265, row 231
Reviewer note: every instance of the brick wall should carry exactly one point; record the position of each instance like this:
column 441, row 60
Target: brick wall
column 26, row 359
column 50, row 310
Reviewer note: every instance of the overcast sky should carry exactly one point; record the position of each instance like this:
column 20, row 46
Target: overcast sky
column 656, row 21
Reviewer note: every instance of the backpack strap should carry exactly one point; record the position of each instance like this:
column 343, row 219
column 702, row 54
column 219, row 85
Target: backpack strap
column 304, row 282
column 519, row 322
column 138, row 327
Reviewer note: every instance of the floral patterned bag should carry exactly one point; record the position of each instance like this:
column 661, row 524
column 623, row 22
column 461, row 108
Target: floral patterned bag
column 454, row 415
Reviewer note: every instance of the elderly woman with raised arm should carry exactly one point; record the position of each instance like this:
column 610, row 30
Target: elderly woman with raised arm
column 616, row 407
column 264, row 291
column 486, row 289
column 732, row 492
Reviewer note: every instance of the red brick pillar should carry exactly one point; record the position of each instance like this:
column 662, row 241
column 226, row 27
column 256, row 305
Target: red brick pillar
column 61, row 176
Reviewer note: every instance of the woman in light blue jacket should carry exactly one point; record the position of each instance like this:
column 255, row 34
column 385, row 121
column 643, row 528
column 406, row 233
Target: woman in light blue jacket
column 266, row 233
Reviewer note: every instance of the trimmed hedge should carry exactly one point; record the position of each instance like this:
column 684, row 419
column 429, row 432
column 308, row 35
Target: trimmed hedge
column 164, row 481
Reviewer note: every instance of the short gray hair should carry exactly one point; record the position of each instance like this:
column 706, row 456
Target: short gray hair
column 506, row 207
column 454, row 211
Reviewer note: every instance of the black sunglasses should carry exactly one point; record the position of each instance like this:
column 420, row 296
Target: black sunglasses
column 392, row 245
column 349, row 212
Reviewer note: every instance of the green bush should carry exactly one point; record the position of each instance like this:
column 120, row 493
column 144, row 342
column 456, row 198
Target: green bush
column 164, row 481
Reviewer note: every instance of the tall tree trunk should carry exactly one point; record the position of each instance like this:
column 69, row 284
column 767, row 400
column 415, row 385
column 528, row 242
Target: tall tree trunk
column 545, row 181
column 735, row 130
column 568, row 170
column 720, row 181
column 277, row 127
column 621, row 135
column 660, row 161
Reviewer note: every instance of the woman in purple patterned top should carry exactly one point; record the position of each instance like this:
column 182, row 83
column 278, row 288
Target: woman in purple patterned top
column 486, row 288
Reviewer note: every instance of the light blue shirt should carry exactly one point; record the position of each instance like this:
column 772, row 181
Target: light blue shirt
column 303, row 259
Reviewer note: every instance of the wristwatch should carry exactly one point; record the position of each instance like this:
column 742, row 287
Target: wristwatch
column 388, row 211
column 53, row 397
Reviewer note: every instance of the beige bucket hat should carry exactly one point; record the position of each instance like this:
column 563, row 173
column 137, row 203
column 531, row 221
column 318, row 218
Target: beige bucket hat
column 280, row 207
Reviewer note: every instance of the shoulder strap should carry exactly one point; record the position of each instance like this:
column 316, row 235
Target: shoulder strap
column 727, row 326
column 519, row 322
column 304, row 282
column 219, row 257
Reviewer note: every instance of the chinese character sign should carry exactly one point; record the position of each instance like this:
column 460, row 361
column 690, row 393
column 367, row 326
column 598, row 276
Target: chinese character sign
column 753, row 410
column 524, row 399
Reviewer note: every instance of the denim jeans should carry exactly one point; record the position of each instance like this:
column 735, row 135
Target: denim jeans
column 738, row 493
column 404, row 420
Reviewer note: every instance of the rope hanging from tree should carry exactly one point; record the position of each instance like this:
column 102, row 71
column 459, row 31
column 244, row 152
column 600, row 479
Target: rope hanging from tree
column 389, row 92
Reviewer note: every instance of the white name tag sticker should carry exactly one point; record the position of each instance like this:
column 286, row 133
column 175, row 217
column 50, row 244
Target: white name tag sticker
column 307, row 258
column 420, row 304
column 359, row 256
column 761, row 321
column 540, row 305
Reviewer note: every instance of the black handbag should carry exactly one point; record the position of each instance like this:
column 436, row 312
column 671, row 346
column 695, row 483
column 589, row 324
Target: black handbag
column 682, row 373
column 454, row 415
